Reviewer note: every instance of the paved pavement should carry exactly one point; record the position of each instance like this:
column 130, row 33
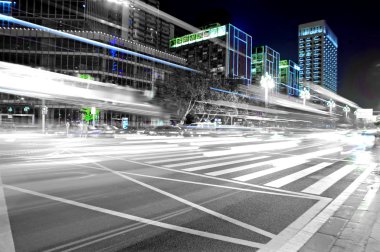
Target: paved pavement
column 355, row 227
column 139, row 193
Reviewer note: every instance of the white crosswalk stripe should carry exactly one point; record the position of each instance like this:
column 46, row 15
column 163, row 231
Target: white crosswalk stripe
column 276, row 168
column 206, row 160
column 204, row 167
column 170, row 160
column 278, row 162
column 163, row 155
column 322, row 185
column 296, row 176
column 284, row 170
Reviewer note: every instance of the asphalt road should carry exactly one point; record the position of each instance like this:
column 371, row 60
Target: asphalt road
column 139, row 193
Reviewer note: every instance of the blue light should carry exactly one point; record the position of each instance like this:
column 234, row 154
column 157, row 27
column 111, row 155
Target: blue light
column 92, row 42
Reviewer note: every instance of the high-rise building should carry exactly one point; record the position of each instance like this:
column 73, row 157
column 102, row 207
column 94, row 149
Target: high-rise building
column 317, row 54
column 265, row 60
column 125, row 21
column 290, row 77
column 224, row 50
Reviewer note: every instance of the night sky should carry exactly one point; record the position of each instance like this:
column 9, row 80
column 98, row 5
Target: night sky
column 357, row 26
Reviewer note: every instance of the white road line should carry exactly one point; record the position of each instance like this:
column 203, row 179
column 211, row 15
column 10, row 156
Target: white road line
column 172, row 160
column 119, row 231
column 322, row 185
column 276, row 168
column 206, row 184
column 286, row 243
column 254, row 148
column 290, row 193
column 140, row 219
column 296, row 176
column 6, row 238
column 240, row 168
column 206, row 160
column 162, row 155
column 280, row 161
column 203, row 167
column 189, row 203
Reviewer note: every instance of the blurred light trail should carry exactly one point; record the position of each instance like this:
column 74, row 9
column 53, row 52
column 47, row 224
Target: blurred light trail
column 36, row 83
column 89, row 41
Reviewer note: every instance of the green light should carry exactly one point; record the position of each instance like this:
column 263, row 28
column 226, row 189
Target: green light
column 86, row 77
column 87, row 114
column 26, row 109
column 199, row 36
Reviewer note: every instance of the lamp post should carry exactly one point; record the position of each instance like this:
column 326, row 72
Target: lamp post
column 346, row 109
column 305, row 95
column 267, row 83
column 331, row 105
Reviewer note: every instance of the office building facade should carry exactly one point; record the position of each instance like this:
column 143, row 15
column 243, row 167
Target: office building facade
column 318, row 54
column 289, row 78
column 265, row 60
column 40, row 49
column 224, row 50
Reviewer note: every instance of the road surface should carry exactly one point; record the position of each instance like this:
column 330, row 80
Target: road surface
column 141, row 193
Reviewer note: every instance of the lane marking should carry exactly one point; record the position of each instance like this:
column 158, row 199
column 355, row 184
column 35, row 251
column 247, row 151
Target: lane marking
column 119, row 231
column 171, row 160
column 206, row 184
column 6, row 238
column 239, row 168
column 253, row 148
column 276, row 168
column 274, row 191
column 325, row 183
column 203, row 167
column 294, row 240
column 286, row 160
column 140, row 219
column 206, row 160
column 296, row 176
column 189, row 203
column 154, row 156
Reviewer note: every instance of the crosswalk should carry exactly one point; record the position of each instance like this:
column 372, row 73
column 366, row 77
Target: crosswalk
column 267, row 169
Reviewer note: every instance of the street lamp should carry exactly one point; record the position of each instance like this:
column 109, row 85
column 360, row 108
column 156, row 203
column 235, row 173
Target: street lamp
column 347, row 109
column 331, row 105
column 267, row 83
column 305, row 95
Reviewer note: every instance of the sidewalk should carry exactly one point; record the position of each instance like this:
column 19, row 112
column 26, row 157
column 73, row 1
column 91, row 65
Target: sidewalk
column 356, row 225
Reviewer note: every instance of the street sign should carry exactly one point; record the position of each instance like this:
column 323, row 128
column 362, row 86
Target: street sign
column 125, row 122
column 44, row 110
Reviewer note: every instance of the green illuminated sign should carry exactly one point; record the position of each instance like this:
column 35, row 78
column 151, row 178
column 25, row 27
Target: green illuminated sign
column 86, row 77
column 26, row 109
column 87, row 116
column 199, row 36
column 284, row 64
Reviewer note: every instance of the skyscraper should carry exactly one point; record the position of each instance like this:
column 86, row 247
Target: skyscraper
column 224, row 50
column 265, row 60
column 289, row 73
column 317, row 54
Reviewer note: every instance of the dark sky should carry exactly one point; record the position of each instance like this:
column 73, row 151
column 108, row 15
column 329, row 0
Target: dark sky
column 275, row 23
